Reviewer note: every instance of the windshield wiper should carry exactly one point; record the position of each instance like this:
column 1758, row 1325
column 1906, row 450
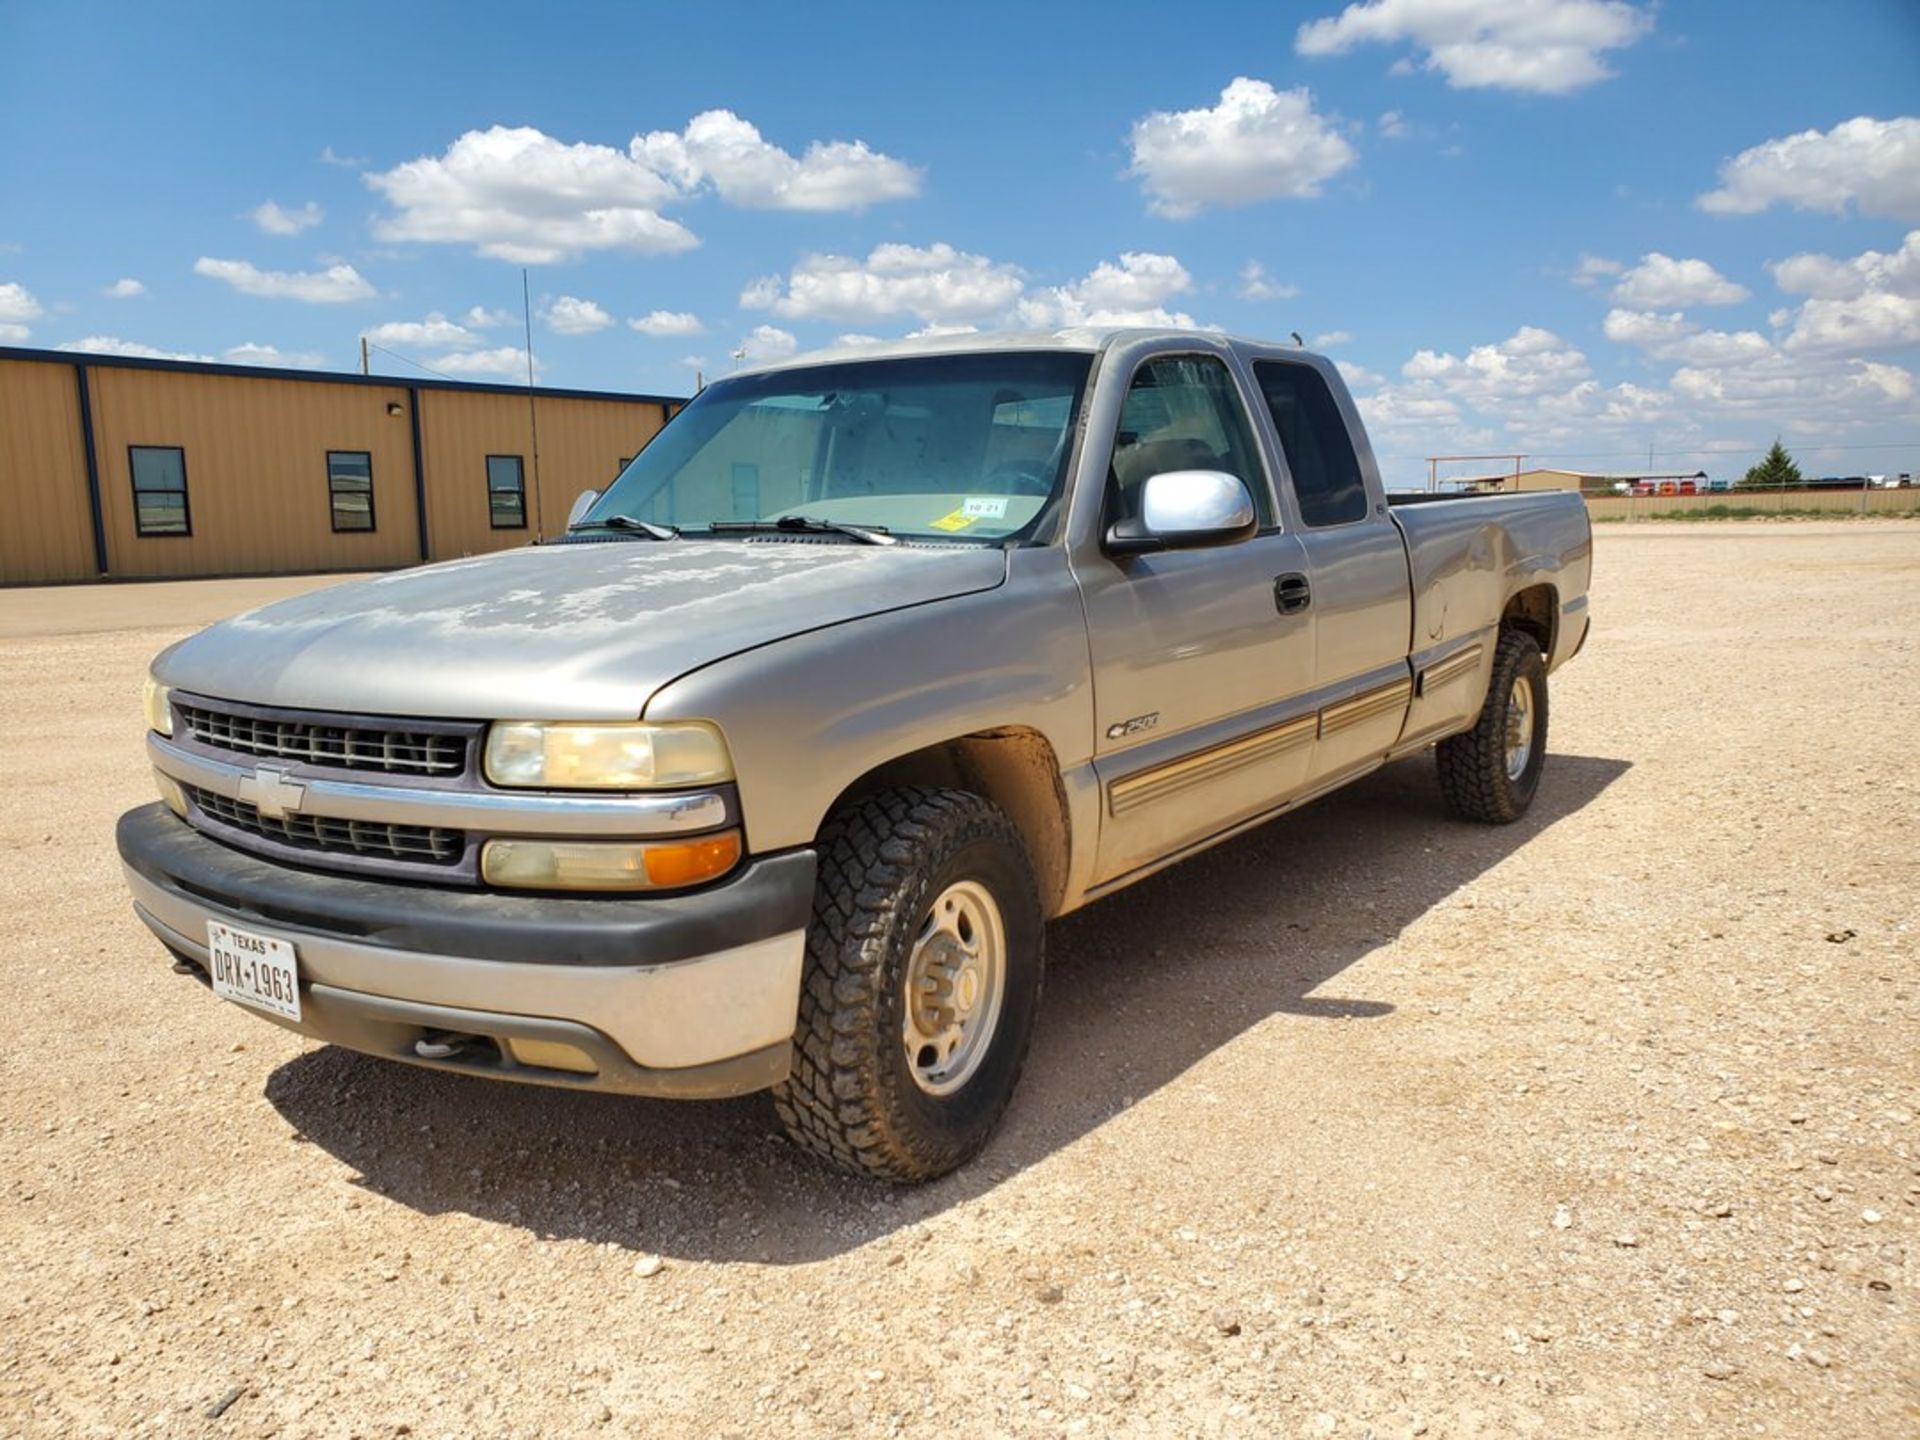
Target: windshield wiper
column 631, row 525
column 807, row 525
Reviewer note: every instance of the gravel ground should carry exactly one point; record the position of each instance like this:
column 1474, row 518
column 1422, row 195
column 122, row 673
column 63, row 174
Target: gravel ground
column 1370, row 1123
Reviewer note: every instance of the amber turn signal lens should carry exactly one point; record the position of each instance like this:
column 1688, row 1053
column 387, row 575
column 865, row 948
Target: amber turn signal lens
column 688, row 862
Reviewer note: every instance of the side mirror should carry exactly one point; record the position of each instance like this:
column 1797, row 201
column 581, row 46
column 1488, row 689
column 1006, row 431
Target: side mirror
column 1186, row 510
column 581, row 506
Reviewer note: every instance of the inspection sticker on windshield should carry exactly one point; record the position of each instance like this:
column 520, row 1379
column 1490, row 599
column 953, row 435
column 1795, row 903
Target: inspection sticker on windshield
column 957, row 520
column 256, row 970
column 985, row 507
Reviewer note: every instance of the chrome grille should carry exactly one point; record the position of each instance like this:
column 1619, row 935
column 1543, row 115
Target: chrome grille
column 418, row 844
column 387, row 749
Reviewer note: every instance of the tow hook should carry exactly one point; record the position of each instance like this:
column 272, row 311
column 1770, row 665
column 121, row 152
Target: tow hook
column 441, row 1044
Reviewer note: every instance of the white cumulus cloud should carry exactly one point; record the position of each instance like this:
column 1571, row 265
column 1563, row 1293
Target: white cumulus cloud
column 1854, row 307
column 1870, row 165
column 481, row 318
column 668, row 322
column 1547, row 47
column 1527, row 362
column 436, row 331
column 570, row 315
column 1660, row 281
column 336, row 285
column 17, row 307
column 933, row 284
column 766, row 342
column 1672, row 336
column 519, row 194
column 1331, row 339
column 745, row 169
column 1257, row 284
column 1593, row 269
column 1133, row 292
column 275, row 219
column 124, row 290
column 508, row 360
column 132, row 349
column 1258, row 143
column 1359, row 377
column 516, row 193
column 248, row 353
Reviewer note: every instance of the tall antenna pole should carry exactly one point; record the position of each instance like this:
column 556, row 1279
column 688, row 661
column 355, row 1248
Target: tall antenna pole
column 533, row 418
column 365, row 368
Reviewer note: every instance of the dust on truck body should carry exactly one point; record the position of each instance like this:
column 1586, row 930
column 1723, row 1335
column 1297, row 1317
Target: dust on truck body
column 768, row 773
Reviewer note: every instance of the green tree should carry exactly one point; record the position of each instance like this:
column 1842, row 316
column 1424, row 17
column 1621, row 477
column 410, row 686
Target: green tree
column 1776, row 472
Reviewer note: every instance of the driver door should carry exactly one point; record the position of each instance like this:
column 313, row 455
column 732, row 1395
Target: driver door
column 1199, row 676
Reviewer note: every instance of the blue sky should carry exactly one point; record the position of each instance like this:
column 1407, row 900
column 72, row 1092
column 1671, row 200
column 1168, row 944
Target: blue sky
column 1574, row 228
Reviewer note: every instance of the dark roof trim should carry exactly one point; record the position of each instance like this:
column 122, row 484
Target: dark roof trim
column 324, row 377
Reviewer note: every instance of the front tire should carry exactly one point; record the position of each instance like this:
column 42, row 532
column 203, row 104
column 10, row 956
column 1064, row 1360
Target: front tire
column 922, row 979
column 1490, row 773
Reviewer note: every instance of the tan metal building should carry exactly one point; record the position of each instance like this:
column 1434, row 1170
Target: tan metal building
column 126, row 468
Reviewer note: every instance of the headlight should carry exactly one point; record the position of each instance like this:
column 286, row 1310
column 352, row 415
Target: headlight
column 157, row 701
column 608, row 864
column 605, row 757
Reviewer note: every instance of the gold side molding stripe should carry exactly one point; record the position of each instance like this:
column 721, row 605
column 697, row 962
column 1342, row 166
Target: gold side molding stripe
column 1365, row 706
column 1176, row 775
column 1451, row 668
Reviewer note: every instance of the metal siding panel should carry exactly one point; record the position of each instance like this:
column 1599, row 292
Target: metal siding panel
column 581, row 441
column 45, row 533
column 256, row 471
column 256, row 468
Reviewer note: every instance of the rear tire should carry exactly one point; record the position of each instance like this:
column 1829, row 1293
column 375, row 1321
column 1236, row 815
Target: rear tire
column 1490, row 773
column 922, row 978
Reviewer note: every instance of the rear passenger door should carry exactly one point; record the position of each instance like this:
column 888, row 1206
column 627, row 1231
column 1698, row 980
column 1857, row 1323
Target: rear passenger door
column 1361, row 597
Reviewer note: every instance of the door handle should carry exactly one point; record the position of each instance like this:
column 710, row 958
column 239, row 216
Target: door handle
column 1291, row 594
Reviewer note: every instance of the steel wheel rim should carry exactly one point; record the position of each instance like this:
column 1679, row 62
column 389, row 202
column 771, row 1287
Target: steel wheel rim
column 1519, row 727
column 954, row 985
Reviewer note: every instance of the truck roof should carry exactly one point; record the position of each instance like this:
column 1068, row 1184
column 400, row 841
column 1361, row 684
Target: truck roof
column 1087, row 338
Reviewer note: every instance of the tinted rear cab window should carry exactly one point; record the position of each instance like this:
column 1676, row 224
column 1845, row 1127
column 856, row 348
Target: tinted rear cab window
column 1326, row 471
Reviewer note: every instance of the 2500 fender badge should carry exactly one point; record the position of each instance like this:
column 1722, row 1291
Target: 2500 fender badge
column 1121, row 729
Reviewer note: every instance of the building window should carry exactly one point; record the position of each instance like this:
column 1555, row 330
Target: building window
column 159, row 490
column 350, row 489
column 506, row 492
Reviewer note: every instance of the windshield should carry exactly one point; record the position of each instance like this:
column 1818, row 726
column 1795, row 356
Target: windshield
column 940, row 447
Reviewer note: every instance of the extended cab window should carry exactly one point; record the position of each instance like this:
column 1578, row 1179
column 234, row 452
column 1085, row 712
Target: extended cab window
column 1326, row 472
column 1182, row 412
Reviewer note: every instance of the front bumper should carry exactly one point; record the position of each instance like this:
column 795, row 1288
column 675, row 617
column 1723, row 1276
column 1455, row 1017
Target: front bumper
column 687, row 996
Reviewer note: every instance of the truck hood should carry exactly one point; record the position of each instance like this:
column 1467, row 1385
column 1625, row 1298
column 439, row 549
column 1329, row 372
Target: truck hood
column 563, row 632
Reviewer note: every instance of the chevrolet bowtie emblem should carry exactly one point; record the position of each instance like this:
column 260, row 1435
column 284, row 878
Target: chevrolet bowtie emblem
column 271, row 792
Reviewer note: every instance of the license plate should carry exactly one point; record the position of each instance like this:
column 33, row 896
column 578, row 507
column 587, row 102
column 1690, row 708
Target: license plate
column 255, row 970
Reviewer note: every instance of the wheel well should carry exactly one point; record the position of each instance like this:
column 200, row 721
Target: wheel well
column 1534, row 611
column 1016, row 770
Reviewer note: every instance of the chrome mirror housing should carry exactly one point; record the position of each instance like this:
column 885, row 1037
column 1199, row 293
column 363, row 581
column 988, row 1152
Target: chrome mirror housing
column 1186, row 510
column 581, row 505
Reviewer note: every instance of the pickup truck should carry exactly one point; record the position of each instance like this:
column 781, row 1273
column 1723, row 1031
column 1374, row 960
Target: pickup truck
column 769, row 772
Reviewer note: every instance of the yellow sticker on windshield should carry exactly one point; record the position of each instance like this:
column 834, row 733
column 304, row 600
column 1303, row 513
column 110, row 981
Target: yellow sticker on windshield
column 956, row 520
